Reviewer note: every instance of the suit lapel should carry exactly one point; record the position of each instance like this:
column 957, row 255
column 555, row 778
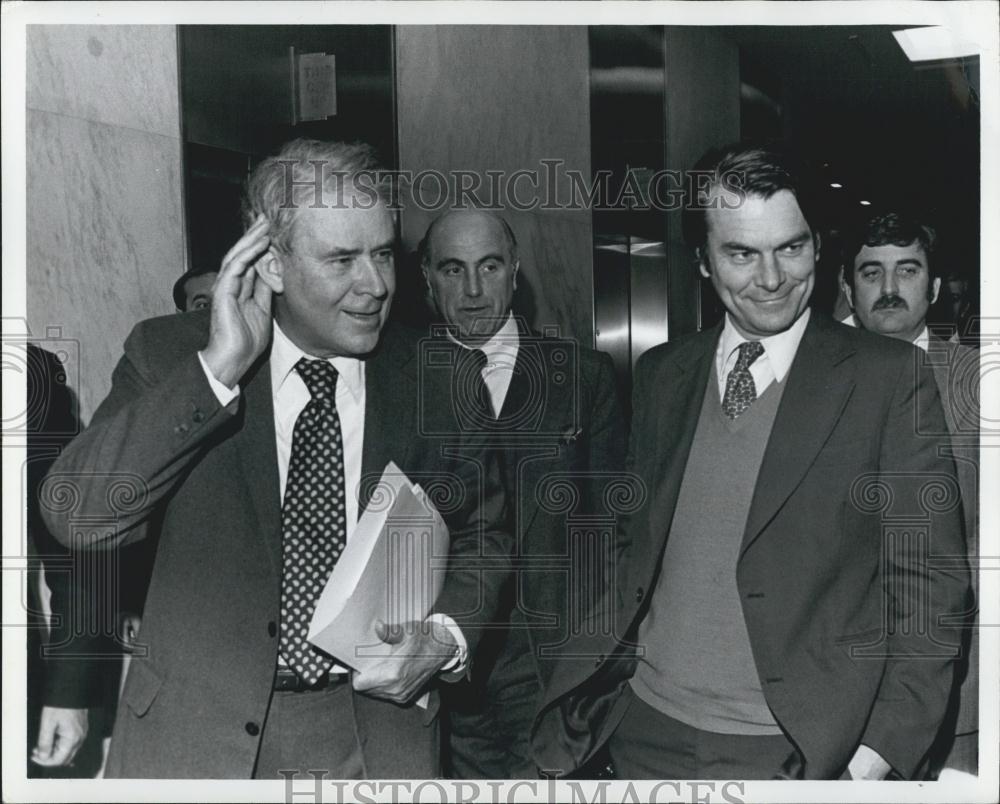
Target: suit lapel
column 819, row 384
column 259, row 460
column 682, row 382
column 390, row 409
column 556, row 415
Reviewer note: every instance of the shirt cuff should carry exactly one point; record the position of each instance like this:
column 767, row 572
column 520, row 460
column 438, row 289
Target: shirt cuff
column 867, row 763
column 458, row 662
column 224, row 394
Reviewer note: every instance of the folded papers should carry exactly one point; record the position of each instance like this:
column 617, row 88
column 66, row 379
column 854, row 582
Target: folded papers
column 392, row 569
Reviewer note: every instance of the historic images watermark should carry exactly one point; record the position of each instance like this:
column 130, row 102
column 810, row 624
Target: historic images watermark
column 312, row 787
column 548, row 186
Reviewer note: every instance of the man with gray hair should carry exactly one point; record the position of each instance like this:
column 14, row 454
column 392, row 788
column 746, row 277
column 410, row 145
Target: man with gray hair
column 258, row 430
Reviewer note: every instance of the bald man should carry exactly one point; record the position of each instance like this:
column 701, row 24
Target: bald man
column 551, row 407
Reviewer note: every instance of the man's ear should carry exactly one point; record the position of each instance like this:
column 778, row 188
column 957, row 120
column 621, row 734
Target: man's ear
column 846, row 288
column 702, row 259
column 513, row 279
column 817, row 246
column 270, row 269
column 935, row 289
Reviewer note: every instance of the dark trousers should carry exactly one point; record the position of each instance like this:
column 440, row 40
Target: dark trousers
column 490, row 721
column 311, row 730
column 650, row 745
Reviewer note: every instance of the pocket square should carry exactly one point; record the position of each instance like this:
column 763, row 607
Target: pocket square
column 570, row 434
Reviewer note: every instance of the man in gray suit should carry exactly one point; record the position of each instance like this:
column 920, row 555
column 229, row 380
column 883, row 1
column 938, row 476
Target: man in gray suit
column 774, row 590
column 891, row 281
column 259, row 430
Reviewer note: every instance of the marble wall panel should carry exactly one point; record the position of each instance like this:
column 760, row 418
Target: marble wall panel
column 504, row 98
column 123, row 75
column 105, row 234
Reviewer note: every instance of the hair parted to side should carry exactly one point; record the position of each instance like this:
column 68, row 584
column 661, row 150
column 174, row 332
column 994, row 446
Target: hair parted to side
column 888, row 229
column 307, row 173
column 724, row 176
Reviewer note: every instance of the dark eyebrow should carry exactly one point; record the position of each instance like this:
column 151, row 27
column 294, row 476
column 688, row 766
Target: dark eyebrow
column 446, row 263
column 799, row 238
column 489, row 257
column 735, row 246
column 388, row 244
column 910, row 261
column 869, row 264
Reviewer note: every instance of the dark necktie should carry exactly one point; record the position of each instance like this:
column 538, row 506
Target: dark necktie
column 471, row 394
column 313, row 517
column 740, row 389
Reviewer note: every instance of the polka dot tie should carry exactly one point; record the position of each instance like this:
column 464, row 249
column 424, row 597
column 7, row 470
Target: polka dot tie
column 740, row 390
column 313, row 518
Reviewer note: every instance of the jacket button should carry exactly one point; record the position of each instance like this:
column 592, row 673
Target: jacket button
column 272, row 628
column 181, row 429
column 198, row 416
column 252, row 729
column 638, row 595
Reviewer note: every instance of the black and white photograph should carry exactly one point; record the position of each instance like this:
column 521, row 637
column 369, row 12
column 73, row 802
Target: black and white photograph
column 500, row 402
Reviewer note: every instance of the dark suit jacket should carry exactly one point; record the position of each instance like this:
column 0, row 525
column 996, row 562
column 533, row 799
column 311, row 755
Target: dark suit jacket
column 956, row 371
column 72, row 674
column 162, row 442
column 843, row 657
column 561, row 435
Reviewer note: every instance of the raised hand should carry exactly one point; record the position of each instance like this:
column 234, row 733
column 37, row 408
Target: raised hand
column 241, row 308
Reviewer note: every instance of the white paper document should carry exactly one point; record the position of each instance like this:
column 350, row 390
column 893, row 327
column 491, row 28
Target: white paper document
column 392, row 569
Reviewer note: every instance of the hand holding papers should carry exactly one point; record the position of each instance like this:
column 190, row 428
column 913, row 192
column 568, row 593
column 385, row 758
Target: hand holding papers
column 391, row 571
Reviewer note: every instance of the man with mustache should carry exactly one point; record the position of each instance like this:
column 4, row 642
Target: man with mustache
column 767, row 608
column 891, row 280
column 258, row 429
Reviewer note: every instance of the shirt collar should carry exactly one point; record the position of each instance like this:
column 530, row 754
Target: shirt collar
column 501, row 349
column 922, row 340
column 780, row 349
column 285, row 354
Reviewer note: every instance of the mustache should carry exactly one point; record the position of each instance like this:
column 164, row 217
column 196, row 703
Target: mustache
column 890, row 301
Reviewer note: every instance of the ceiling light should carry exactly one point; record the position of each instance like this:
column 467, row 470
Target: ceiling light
column 836, row 185
column 865, row 203
column 934, row 43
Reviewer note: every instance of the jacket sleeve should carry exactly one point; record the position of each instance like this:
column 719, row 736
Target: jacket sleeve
column 143, row 436
column 924, row 584
column 479, row 561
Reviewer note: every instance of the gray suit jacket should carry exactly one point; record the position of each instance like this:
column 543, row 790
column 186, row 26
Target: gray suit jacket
column 841, row 606
column 193, row 707
column 956, row 371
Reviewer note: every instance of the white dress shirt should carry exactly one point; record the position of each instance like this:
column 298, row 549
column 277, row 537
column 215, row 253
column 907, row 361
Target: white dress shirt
column 501, row 355
column 771, row 366
column 922, row 341
column 290, row 395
